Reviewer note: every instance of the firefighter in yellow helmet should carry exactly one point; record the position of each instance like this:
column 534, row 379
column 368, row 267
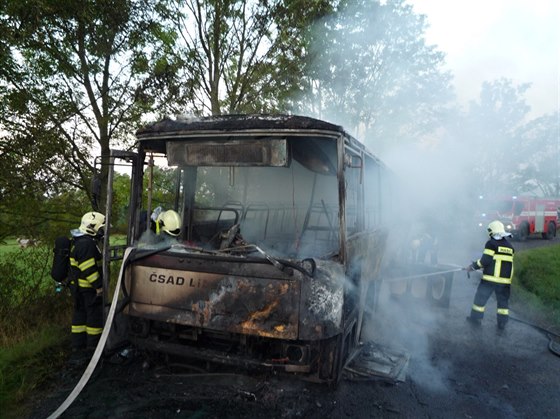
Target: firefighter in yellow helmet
column 496, row 263
column 86, row 281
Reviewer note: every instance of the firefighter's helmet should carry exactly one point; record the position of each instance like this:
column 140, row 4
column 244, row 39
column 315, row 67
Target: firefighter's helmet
column 169, row 222
column 92, row 223
column 496, row 228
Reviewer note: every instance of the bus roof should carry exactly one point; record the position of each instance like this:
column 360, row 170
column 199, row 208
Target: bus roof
column 228, row 123
column 153, row 136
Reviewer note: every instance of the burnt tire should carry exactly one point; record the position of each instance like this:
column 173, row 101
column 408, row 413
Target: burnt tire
column 440, row 290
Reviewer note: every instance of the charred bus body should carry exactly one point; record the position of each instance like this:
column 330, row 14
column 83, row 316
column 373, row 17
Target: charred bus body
column 282, row 234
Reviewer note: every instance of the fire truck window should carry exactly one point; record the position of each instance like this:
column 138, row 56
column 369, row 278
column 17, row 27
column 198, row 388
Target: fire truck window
column 517, row 208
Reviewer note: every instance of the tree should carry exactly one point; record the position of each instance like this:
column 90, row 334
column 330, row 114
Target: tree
column 76, row 77
column 243, row 56
column 490, row 130
column 371, row 70
column 536, row 150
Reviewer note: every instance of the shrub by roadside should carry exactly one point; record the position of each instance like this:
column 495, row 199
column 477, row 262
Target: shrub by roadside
column 34, row 324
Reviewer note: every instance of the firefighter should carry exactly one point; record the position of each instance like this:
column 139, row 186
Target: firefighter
column 165, row 227
column 496, row 263
column 86, row 282
column 169, row 223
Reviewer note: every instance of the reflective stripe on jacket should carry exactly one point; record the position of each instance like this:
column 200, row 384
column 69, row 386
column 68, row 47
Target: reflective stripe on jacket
column 85, row 260
column 496, row 261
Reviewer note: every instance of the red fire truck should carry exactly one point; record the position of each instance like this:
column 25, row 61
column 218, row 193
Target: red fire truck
column 522, row 216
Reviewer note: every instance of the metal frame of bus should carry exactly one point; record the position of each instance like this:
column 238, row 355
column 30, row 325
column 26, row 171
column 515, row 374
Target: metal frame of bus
column 319, row 356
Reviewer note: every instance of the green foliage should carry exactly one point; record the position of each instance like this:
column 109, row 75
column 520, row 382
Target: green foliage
column 121, row 195
column 243, row 56
column 490, row 125
column 371, row 69
column 75, row 77
column 537, row 157
column 23, row 274
column 34, row 321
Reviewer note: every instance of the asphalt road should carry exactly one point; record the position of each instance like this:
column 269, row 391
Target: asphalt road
column 455, row 371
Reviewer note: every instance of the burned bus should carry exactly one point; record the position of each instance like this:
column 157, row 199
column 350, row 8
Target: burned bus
column 282, row 234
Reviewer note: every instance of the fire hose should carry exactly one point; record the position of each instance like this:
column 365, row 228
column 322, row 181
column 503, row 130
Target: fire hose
column 422, row 275
column 553, row 345
column 99, row 348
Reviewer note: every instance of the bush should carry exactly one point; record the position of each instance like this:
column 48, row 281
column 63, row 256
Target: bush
column 34, row 324
column 28, row 294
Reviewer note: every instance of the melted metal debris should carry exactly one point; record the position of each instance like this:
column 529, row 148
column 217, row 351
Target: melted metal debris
column 377, row 362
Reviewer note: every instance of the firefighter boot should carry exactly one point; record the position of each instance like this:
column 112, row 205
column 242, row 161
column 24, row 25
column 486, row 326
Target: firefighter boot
column 501, row 325
column 473, row 322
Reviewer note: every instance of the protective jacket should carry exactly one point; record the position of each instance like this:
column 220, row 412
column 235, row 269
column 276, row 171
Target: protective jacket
column 85, row 260
column 496, row 261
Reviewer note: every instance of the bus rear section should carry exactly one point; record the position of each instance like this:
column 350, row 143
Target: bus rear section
column 264, row 273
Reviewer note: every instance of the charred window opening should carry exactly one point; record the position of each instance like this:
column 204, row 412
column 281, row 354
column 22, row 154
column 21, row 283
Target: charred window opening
column 280, row 192
column 228, row 151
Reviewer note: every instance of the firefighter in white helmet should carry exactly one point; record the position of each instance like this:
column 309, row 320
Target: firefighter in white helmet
column 86, row 281
column 496, row 263
column 165, row 226
column 169, row 223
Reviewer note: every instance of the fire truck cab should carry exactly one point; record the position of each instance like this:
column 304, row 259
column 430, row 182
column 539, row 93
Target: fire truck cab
column 522, row 216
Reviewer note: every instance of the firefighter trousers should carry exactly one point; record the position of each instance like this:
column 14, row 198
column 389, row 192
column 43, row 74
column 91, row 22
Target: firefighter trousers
column 483, row 293
column 87, row 320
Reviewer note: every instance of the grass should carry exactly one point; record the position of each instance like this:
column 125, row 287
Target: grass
column 536, row 286
column 25, row 366
column 8, row 247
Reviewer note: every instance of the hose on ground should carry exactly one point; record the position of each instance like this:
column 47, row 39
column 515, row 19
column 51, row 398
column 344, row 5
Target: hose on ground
column 553, row 345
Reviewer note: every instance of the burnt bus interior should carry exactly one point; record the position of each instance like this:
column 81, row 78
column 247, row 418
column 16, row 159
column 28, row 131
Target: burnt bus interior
column 281, row 235
column 285, row 206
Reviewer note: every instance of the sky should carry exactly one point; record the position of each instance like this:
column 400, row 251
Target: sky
column 488, row 39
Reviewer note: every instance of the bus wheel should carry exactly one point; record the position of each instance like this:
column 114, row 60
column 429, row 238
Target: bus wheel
column 440, row 290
